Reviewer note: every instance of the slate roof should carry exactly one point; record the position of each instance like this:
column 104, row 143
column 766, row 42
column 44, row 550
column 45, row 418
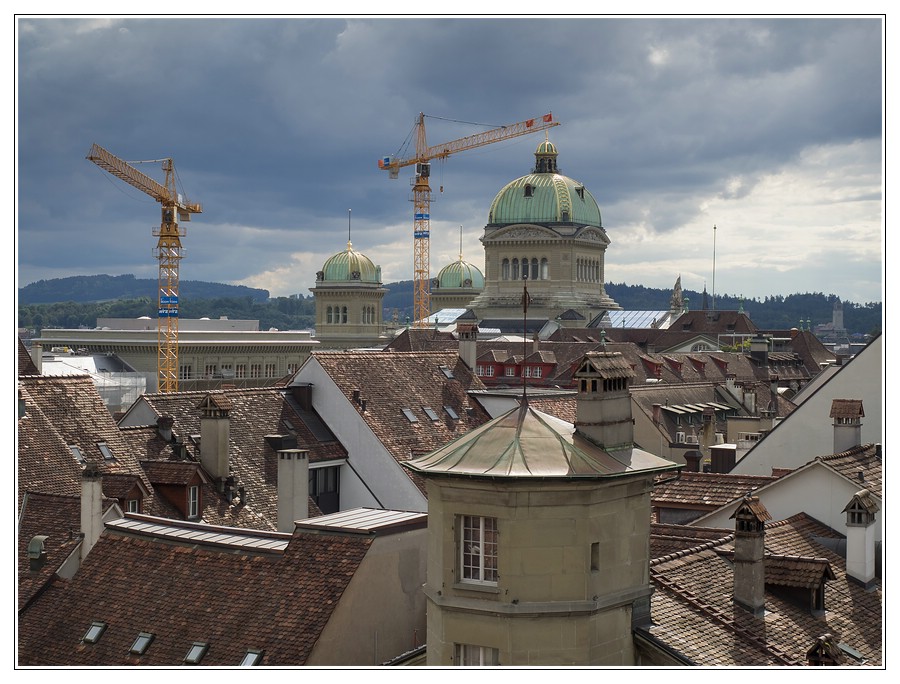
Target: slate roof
column 704, row 491
column 63, row 411
column 392, row 381
column 693, row 612
column 234, row 596
column 254, row 414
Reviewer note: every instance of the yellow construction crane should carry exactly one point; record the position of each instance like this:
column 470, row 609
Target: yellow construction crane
column 422, row 193
column 168, row 252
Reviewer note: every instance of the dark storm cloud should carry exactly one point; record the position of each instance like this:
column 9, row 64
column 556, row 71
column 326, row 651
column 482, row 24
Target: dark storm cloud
column 275, row 125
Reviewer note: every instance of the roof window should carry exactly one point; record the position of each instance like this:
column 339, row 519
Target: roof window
column 104, row 449
column 95, row 631
column 76, row 452
column 450, row 412
column 251, row 658
column 410, row 416
column 446, row 370
column 430, row 413
column 142, row 643
column 196, row 652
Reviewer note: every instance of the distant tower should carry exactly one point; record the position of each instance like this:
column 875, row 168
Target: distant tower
column 456, row 284
column 837, row 317
column 349, row 299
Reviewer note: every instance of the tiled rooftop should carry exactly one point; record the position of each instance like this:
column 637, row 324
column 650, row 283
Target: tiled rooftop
column 234, row 597
column 705, row 491
column 254, row 414
column 693, row 612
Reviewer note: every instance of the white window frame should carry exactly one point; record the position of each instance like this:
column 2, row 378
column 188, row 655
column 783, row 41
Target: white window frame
column 478, row 550
column 469, row 655
column 193, row 501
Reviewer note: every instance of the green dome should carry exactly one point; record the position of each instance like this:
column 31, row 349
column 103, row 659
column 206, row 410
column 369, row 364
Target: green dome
column 545, row 196
column 350, row 266
column 456, row 274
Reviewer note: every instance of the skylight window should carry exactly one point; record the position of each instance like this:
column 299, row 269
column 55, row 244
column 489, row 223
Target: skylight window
column 451, row 412
column 95, row 631
column 252, row 657
column 104, row 449
column 410, row 416
column 430, row 413
column 142, row 643
column 447, row 372
column 76, row 452
column 196, row 652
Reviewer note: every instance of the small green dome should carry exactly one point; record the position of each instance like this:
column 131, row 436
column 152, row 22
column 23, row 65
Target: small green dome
column 350, row 266
column 545, row 196
column 460, row 274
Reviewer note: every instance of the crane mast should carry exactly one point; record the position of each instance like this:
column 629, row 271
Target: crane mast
column 422, row 193
column 168, row 252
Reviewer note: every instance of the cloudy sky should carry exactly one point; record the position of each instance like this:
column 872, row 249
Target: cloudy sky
column 768, row 129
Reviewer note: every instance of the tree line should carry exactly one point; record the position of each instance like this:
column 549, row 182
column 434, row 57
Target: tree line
column 777, row 312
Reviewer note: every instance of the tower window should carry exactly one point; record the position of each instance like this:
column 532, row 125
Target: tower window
column 478, row 549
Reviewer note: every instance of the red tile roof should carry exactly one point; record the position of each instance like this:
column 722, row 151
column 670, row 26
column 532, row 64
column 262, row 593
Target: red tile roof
column 234, row 598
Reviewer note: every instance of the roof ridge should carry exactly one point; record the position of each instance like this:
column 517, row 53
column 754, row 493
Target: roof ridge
column 695, row 549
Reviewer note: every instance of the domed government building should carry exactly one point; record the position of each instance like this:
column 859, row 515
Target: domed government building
column 544, row 226
column 349, row 295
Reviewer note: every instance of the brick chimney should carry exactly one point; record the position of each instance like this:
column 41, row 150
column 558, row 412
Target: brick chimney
column 293, row 487
column 847, row 415
column 91, row 507
column 861, row 538
column 215, row 434
column 749, row 555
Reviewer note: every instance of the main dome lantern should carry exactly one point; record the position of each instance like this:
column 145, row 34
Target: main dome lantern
column 544, row 196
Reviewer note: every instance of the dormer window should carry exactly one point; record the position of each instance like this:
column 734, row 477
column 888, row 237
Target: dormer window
column 529, row 190
column 580, row 192
column 95, row 631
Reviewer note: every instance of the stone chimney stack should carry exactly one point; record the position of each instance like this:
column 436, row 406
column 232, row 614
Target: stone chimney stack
column 91, row 507
column 603, row 408
column 861, row 538
column 847, row 415
column 467, row 334
column 215, row 434
column 759, row 350
column 749, row 555
column 37, row 356
column 293, row 487
column 164, row 427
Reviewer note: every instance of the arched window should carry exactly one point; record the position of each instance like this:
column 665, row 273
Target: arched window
column 344, row 315
column 529, row 190
column 515, row 269
column 545, row 269
column 328, row 315
column 504, row 269
column 534, row 268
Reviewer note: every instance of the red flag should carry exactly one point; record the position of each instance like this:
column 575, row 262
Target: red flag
column 548, row 117
column 529, row 123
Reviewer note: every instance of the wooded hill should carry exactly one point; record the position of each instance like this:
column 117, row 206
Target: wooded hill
column 79, row 301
